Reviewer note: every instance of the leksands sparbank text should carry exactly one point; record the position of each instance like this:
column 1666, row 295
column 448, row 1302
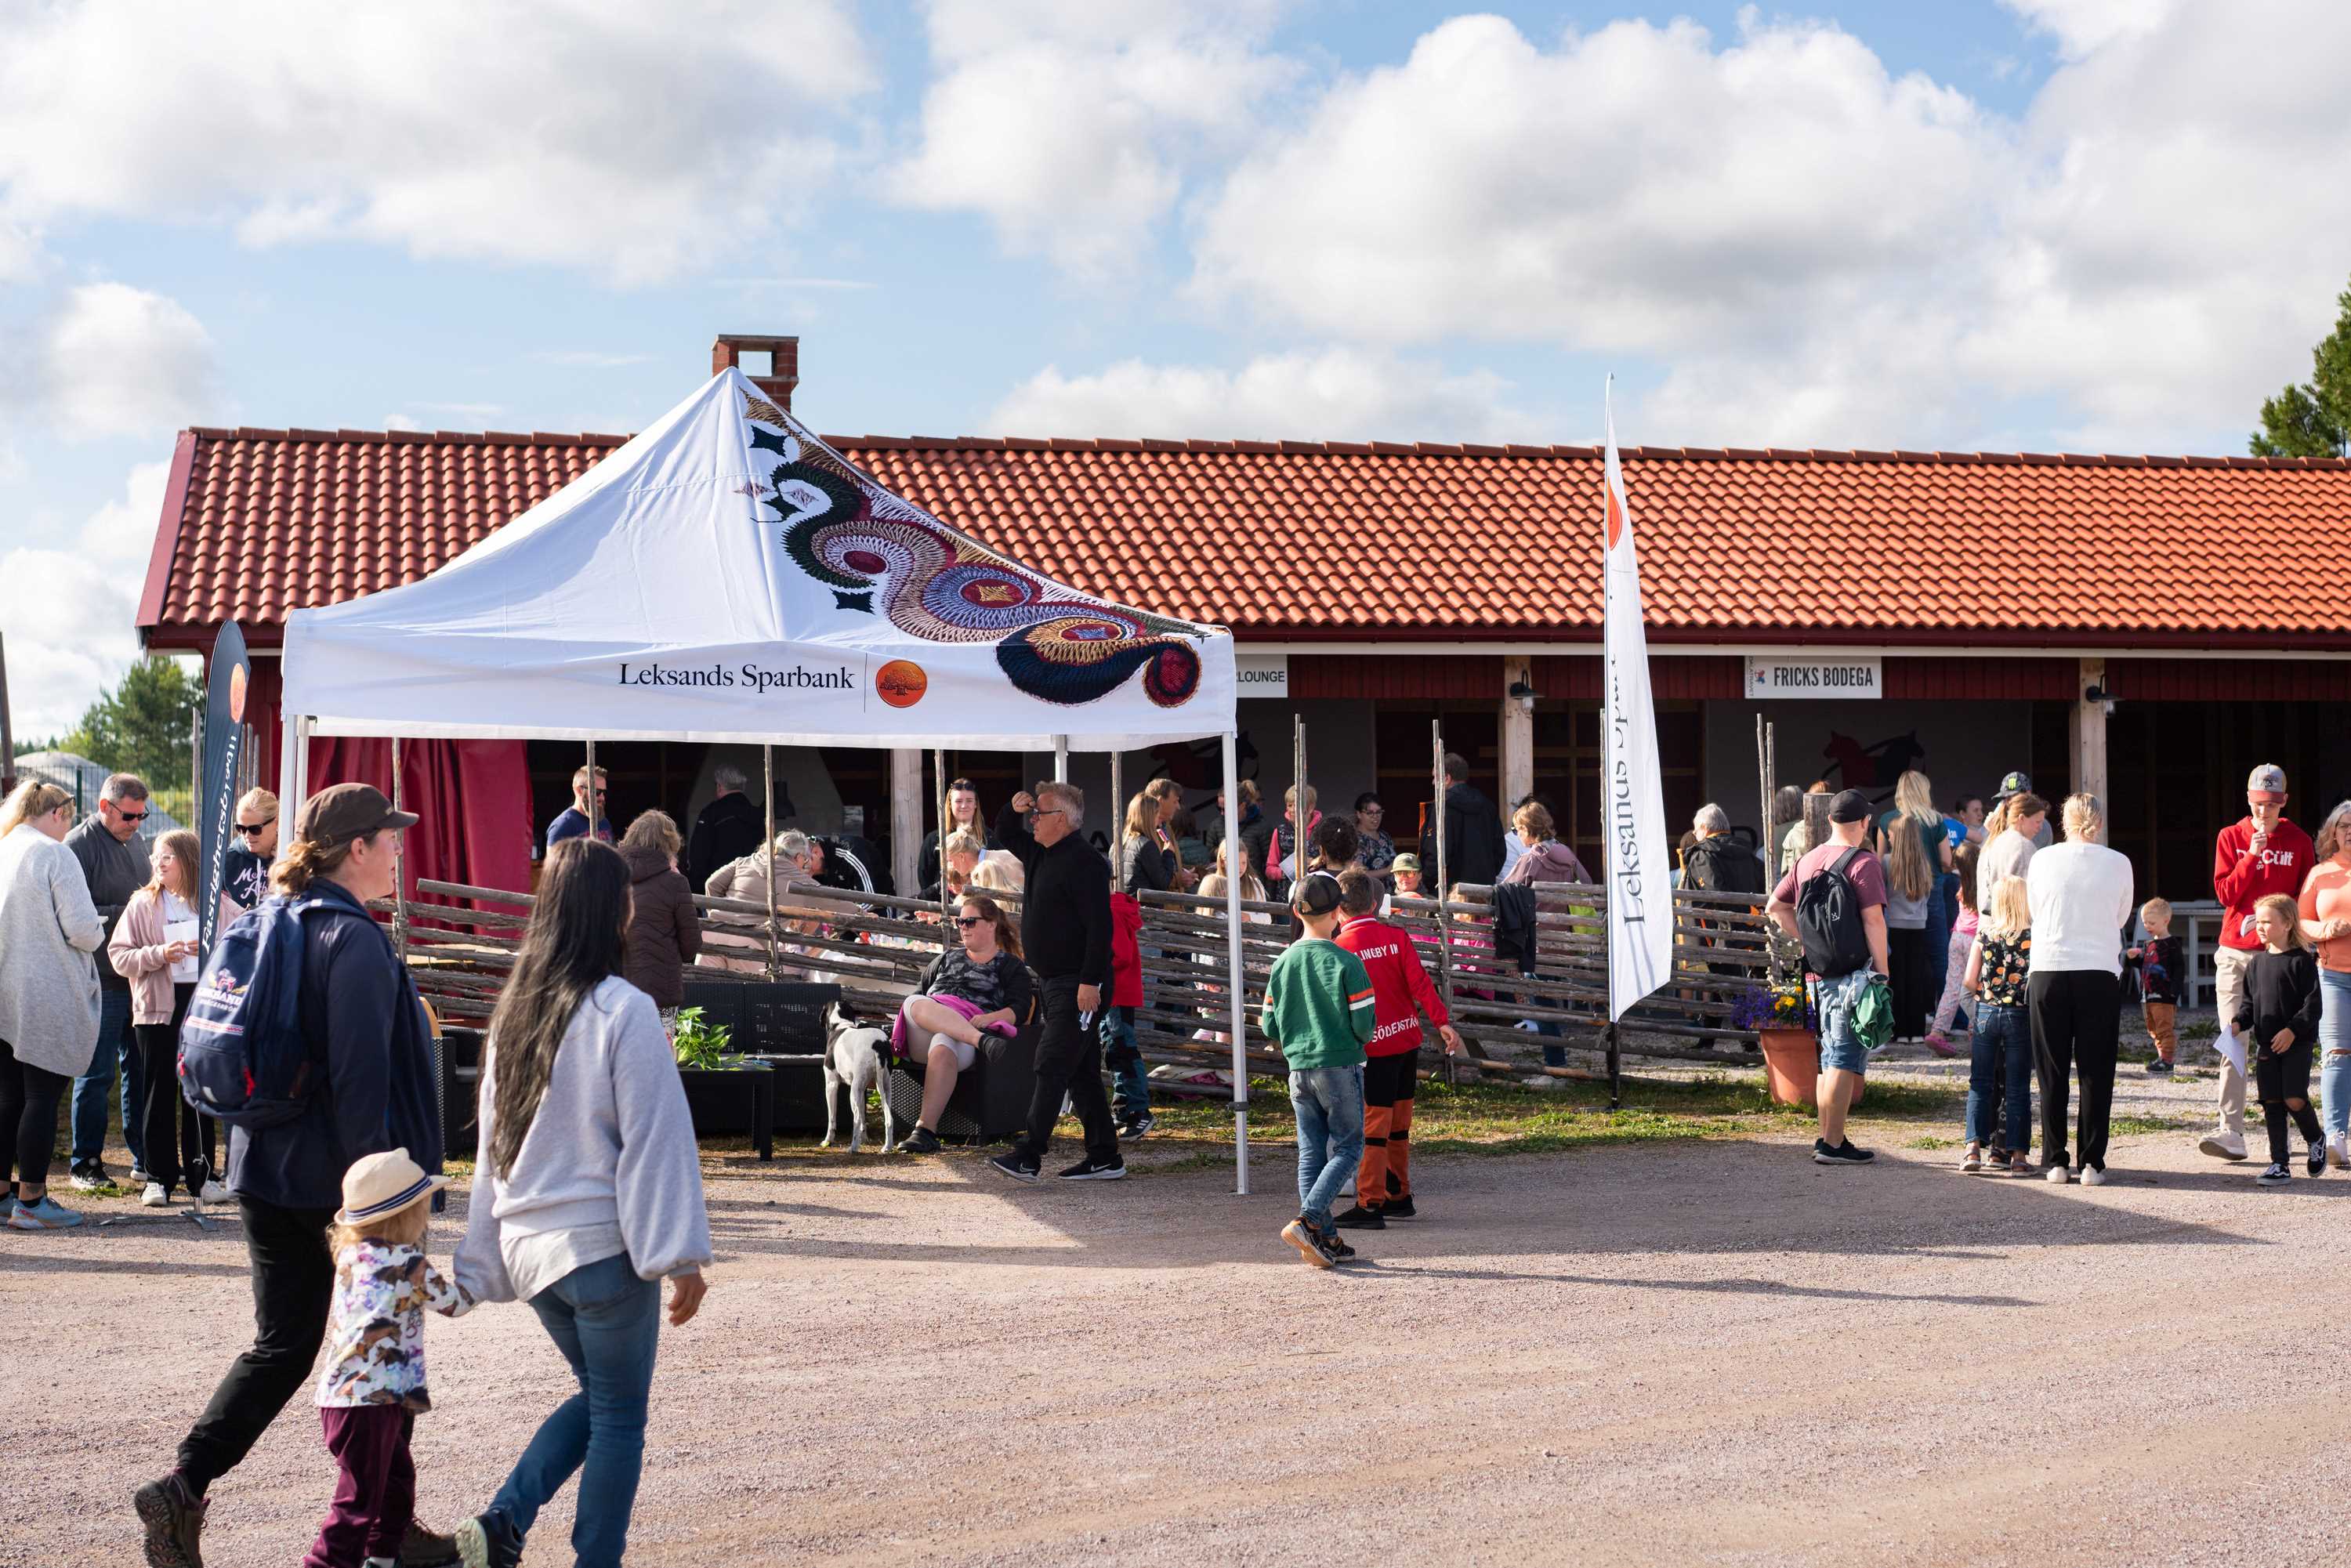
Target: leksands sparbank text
column 798, row 677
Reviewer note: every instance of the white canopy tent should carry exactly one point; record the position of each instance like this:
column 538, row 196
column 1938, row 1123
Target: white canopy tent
column 728, row 576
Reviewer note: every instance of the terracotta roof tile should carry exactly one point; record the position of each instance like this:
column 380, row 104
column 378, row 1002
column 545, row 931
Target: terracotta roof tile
column 1386, row 540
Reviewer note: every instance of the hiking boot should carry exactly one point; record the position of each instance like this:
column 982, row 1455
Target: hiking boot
column 1012, row 1165
column 1360, row 1219
column 173, row 1517
column 1397, row 1208
column 2276, row 1176
column 921, row 1141
column 1301, row 1235
column 489, row 1541
column 1092, row 1169
column 421, row 1548
column 45, row 1213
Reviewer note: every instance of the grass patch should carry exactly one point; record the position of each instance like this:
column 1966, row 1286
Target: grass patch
column 2199, row 1030
column 2125, row 1126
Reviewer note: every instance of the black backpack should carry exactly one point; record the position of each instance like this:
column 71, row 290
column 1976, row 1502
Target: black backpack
column 1720, row 864
column 1828, row 921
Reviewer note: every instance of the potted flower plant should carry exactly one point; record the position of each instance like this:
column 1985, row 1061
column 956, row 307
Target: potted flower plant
column 1788, row 1029
column 724, row 1092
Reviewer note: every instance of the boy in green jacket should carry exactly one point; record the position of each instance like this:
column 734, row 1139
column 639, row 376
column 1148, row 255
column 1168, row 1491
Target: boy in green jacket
column 1319, row 1013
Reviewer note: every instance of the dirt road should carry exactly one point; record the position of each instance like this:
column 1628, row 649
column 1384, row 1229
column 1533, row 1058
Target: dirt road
column 1711, row 1352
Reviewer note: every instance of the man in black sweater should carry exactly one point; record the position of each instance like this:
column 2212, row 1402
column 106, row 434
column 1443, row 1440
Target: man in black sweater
column 1065, row 929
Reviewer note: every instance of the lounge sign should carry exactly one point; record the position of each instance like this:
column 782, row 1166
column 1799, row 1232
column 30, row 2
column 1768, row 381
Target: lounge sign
column 1263, row 674
column 1775, row 675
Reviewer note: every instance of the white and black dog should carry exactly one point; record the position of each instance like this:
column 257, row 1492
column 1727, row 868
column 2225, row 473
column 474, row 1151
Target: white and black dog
column 856, row 1058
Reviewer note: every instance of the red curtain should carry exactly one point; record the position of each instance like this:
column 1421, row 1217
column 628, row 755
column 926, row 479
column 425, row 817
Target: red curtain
column 473, row 796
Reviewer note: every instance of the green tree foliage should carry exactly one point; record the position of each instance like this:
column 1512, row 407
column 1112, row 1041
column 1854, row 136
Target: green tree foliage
column 2313, row 420
column 143, row 725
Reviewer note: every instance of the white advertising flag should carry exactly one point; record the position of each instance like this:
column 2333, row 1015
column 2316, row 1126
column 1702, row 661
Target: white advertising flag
column 1640, row 877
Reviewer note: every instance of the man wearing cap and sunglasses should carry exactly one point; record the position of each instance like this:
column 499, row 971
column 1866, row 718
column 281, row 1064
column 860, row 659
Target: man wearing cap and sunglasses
column 106, row 843
column 2254, row 857
column 365, row 1029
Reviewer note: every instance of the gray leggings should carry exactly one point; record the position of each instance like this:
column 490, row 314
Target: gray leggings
column 28, row 1117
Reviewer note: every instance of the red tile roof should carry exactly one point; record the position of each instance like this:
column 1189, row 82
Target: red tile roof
column 1315, row 541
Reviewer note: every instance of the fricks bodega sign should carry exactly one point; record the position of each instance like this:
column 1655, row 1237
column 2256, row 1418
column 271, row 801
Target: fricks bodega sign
column 1772, row 677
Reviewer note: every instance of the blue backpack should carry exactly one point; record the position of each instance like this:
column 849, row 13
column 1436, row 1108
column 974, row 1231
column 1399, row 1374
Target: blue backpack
column 243, row 1059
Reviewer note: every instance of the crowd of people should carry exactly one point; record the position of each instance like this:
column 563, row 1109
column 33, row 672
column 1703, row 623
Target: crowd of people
column 1914, row 924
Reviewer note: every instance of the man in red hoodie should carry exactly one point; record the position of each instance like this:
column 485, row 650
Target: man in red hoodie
column 2253, row 858
column 1400, row 987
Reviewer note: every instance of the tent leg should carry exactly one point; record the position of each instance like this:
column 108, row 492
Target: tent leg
column 300, row 793
column 400, row 889
column 767, row 852
column 1238, row 1022
column 1060, row 759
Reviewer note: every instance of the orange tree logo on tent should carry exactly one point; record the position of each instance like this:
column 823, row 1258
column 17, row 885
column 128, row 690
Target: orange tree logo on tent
column 901, row 682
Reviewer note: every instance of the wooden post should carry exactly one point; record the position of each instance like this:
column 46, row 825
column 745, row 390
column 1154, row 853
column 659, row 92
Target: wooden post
column 939, row 767
column 1060, row 759
column 2089, row 732
column 907, row 819
column 1437, row 832
column 1816, row 820
column 1298, row 814
column 1517, row 733
column 1117, row 833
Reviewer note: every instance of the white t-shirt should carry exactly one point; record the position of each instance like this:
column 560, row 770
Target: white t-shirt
column 181, row 924
column 2080, row 897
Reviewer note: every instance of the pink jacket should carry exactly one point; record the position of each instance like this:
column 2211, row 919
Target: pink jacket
column 137, row 952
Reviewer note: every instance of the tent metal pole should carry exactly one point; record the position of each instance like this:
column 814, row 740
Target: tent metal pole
column 767, row 772
column 301, row 791
column 946, row 824
column 1238, row 1022
column 1118, row 811
column 400, row 865
column 1436, row 830
column 1060, row 759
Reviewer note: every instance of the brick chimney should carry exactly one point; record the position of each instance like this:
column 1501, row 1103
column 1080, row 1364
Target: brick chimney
column 783, row 372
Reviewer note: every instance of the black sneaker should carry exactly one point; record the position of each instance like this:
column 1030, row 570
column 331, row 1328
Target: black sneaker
column 421, row 1548
column 1136, row 1130
column 1845, row 1154
column 489, row 1541
column 2318, row 1158
column 2276, row 1176
column 1309, row 1243
column 174, row 1520
column 1397, row 1208
column 1338, row 1251
column 1015, row 1166
column 1092, row 1169
column 921, row 1141
column 1360, row 1219
column 2159, row 1067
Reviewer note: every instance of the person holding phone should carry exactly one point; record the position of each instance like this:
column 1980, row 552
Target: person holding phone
column 155, row 949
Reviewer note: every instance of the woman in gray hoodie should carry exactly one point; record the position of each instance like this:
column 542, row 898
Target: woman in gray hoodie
column 587, row 1193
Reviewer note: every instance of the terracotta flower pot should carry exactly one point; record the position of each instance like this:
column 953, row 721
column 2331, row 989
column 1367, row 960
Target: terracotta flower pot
column 1791, row 1064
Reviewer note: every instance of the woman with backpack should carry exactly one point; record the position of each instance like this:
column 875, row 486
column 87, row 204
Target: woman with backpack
column 360, row 1066
column 587, row 1193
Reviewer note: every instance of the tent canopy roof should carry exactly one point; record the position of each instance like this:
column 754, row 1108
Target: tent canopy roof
column 728, row 576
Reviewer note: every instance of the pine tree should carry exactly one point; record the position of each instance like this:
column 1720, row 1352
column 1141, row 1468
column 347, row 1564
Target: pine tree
column 2313, row 420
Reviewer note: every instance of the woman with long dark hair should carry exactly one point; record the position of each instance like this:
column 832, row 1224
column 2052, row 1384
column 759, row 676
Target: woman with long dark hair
column 587, row 1193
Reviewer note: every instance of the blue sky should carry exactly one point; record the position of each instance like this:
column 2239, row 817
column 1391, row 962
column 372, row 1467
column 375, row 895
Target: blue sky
column 2036, row 224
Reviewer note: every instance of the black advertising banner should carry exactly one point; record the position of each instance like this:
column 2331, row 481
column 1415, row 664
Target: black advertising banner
column 224, row 691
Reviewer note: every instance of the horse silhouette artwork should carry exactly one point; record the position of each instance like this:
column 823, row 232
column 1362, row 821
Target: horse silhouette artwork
column 1877, row 767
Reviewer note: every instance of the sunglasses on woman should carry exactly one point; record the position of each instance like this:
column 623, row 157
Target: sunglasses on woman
column 254, row 829
column 968, row 921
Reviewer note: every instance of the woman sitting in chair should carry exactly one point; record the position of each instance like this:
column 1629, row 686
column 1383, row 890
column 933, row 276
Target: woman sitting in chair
column 981, row 986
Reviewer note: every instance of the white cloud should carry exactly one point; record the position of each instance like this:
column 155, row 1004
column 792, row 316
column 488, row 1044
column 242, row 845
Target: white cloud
column 1814, row 251
column 68, row 613
column 119, row 361
column 1072, row 127
column 1336, row 394
column 634, row 141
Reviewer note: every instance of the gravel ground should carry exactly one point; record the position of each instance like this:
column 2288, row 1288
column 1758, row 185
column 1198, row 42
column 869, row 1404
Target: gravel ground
column 1684, row 1351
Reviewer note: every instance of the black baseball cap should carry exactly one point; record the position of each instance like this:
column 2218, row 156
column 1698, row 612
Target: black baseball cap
column 342, row 812
column 1317, row 894
column 1850, row 806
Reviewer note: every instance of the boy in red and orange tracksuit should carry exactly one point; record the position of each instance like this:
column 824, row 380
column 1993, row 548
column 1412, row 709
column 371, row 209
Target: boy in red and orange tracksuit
column 1400, row 987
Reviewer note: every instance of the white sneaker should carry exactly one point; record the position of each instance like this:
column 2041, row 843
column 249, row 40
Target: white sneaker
column 155, row 1197
column 2338, row 1150
column 213, row 1193
column 2057, row 1175
column 2223, row 1145
column 2093, row 1176
column 82, row 1181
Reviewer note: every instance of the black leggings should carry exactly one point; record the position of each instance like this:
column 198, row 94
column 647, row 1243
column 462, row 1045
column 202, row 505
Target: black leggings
column 2282, row 1078
column 28, row 1117
column 159, row 1053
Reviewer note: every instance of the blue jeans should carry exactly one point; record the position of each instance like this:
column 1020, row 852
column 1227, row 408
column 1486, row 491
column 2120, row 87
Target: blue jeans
column 1329, row 1105
column 1130, row 1081
column 94, row 1089
column 606, row 1322
column 2334, row 1035
column 2000, row 1070
column 1841, row 1048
